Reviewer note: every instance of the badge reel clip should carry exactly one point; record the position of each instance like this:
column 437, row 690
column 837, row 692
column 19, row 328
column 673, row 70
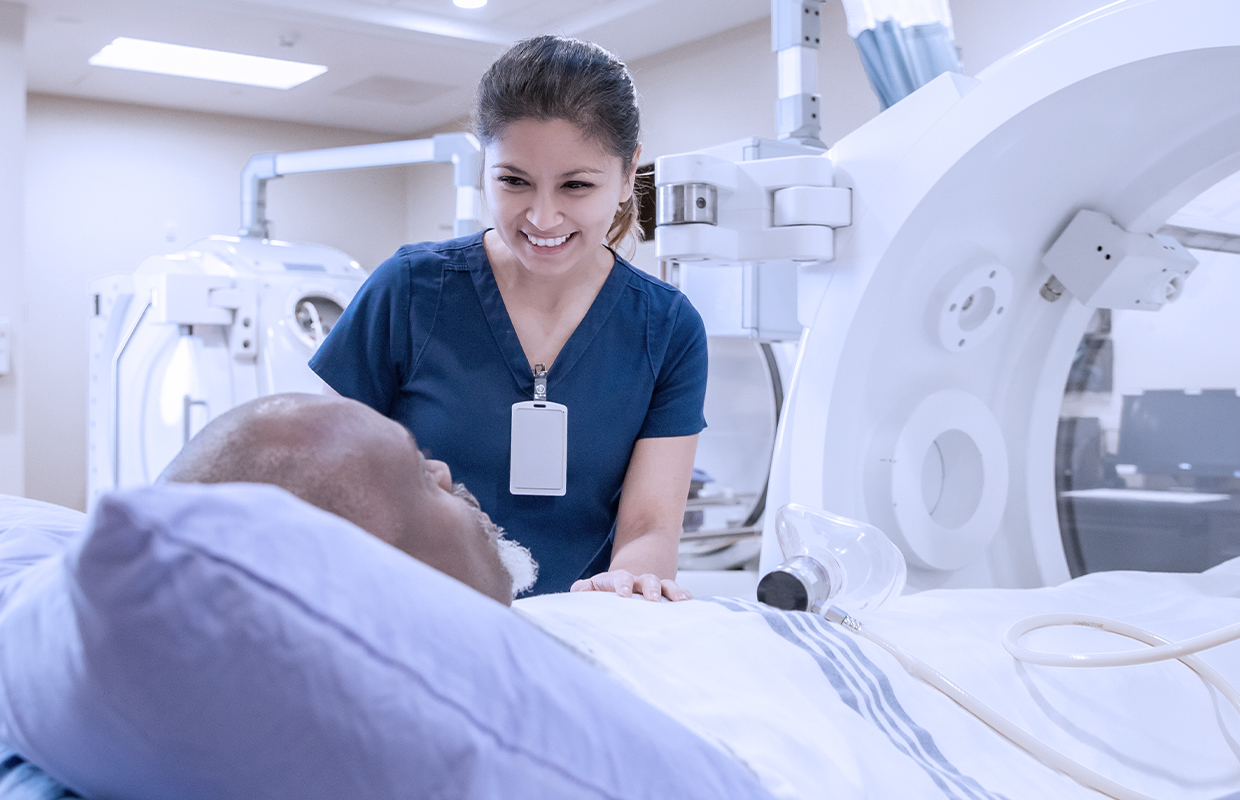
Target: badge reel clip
column 539, row 460
column 831, row 561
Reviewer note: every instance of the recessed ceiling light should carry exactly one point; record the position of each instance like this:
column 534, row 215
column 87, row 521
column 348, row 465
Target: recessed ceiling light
column 212, row 65
column 469, row 3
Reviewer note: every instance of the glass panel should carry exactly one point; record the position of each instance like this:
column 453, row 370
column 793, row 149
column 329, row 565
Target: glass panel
column 1147, row 465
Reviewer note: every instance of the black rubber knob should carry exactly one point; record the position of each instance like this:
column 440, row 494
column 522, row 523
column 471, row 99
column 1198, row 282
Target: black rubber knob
column 781, row 590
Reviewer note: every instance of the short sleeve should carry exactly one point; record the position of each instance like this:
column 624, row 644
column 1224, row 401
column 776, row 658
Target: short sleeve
column 680, row 384
column 365, row 355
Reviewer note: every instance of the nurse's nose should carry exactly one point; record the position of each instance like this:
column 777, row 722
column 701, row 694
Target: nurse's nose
column 441, row 473
column 544, row 214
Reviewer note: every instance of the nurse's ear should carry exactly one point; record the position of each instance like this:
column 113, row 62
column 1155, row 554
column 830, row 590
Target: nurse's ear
column 630, row 176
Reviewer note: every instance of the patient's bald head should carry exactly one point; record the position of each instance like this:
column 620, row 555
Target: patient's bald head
column 347, row 459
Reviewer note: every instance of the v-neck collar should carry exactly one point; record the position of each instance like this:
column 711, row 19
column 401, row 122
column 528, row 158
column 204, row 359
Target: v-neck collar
column 506, row 334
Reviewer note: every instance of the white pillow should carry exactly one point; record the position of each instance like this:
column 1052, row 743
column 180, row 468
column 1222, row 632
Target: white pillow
column 30, row 531
column 231, row 641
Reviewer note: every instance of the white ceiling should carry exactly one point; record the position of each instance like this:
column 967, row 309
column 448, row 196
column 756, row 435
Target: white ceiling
column 394, row 66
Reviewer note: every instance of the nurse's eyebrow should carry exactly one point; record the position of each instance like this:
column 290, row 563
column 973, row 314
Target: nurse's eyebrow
column 571, row 172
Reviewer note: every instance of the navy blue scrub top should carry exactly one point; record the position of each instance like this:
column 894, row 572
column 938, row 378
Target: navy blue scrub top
column 428, row 342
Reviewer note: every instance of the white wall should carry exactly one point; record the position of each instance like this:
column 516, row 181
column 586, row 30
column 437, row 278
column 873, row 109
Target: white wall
column 12, row 145
column 108, row 185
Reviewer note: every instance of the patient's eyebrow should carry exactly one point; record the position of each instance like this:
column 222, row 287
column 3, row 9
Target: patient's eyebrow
column 414, row 444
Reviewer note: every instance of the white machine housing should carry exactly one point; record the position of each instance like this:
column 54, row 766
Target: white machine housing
column 192, row 334
column 927, row 388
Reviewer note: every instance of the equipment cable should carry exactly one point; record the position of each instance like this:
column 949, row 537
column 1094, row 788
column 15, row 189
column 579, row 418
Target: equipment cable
column 1161, row 650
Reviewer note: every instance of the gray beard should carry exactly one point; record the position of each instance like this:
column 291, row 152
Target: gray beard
column 515, row 558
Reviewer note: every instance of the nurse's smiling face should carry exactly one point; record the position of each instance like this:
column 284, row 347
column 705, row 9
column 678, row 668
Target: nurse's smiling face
column 553, row 194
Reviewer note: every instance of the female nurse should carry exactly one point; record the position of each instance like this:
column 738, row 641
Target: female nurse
column 447, row 337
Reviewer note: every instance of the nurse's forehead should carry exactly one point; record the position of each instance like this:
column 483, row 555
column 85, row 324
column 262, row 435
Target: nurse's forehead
column 547, row 141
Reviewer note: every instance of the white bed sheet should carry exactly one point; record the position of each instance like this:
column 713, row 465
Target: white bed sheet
column 816, row 712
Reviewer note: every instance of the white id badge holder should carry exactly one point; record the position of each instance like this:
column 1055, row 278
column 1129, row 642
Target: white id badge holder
column 539, row 461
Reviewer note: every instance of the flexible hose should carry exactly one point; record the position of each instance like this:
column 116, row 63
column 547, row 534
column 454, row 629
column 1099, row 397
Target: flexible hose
column 1160, row 650
column 1017, row 735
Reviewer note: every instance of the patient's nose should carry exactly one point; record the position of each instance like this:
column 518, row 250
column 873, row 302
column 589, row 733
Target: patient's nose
column 443, row 475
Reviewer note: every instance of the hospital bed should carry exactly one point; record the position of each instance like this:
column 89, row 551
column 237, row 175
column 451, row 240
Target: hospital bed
column 221, row 641
column 959, row 191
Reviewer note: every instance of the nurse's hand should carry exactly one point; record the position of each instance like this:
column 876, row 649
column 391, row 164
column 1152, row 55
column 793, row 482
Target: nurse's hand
column 624, row 583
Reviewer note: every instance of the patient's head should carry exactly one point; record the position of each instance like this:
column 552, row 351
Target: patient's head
column 347, row 459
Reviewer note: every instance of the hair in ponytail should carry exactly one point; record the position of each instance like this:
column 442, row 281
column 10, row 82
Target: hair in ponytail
column 554, row 77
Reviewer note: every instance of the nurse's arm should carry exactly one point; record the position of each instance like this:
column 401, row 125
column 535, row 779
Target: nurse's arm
column 651, row 514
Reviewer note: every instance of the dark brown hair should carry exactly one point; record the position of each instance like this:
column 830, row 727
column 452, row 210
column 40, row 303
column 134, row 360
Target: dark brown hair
column 552, row 77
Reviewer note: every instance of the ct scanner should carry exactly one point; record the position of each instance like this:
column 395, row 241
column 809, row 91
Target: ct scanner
column 191, row 334
column 907, row 264
column 937, row 342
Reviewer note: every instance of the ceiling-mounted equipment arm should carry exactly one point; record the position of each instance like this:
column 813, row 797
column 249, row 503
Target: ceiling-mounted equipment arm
column 796, row 32
column 459, row 149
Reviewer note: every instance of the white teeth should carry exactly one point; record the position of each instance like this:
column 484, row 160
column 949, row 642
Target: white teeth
column 547, row 242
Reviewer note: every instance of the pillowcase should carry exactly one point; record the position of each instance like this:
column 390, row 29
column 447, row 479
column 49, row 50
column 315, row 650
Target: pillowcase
column 233, row 641
column 31, row 531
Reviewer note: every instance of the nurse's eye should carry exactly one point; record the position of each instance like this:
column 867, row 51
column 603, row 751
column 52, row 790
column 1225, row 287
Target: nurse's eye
column 512, row 180
column 578, row 185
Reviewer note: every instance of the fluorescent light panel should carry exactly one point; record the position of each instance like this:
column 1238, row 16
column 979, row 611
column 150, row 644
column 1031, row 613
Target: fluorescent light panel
column 211, row 65
column 469, row 3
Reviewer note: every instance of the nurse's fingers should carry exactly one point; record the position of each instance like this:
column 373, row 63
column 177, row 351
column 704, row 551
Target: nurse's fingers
column 650, row 587
column 673, row 592
column 620, row 581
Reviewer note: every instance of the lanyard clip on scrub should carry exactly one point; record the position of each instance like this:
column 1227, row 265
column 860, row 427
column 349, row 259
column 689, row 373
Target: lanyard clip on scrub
column 539, row 453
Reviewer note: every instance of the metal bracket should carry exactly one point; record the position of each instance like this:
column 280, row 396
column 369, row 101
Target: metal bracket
column 459, row 149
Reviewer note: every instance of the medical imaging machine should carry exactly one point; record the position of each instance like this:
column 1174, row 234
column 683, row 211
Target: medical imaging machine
column 939, row 266
column 192, row 334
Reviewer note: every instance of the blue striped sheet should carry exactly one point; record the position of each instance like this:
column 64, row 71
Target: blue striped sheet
column 864, row 687
column 21, row 780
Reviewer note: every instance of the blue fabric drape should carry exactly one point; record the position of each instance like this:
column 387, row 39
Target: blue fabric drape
column 900, row 60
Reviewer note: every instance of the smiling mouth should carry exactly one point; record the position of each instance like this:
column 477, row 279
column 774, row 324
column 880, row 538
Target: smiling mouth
column 556, row 242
